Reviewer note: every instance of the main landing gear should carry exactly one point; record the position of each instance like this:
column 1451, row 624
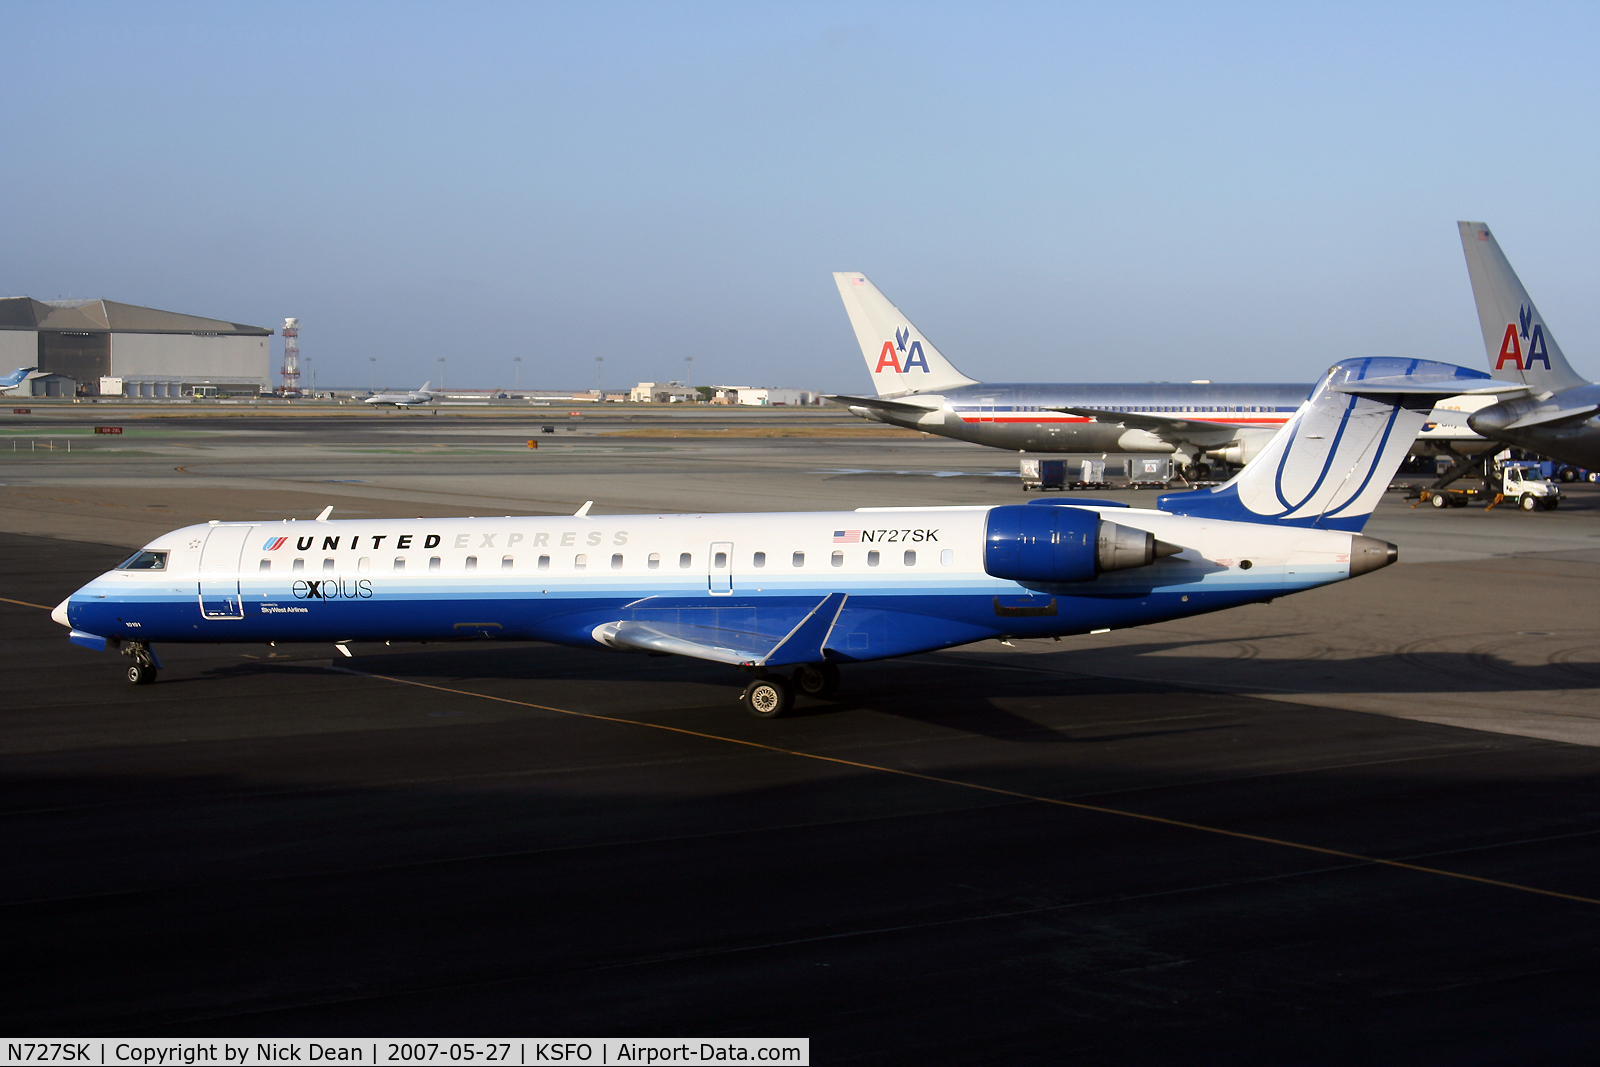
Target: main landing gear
column 767, row 697
column 142, row 671
column 772, row 695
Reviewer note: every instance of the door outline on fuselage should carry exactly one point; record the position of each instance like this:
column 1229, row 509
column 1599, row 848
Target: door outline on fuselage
column 224, row 548
column 719, row 578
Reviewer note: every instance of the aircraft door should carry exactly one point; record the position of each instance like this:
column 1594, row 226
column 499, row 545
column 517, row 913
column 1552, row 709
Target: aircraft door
column 219, row 572
column 986, row 409
column 720, row 568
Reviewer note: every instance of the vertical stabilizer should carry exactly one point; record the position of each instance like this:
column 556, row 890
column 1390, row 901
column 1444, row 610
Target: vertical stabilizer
column 1330, row 464
column 1518, row 343
column 898, row 357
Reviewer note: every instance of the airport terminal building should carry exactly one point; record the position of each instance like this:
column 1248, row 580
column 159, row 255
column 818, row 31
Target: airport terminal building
column 103, row 348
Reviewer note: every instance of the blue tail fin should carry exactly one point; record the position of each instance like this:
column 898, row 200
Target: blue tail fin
column 1332, row 461
column 15, row 377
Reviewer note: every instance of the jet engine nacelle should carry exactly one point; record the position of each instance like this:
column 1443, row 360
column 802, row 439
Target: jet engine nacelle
column 1242, row 449
column 1058, row 543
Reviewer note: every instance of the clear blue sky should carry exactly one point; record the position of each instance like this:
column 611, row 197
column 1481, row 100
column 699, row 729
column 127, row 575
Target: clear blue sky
column 1051, row 192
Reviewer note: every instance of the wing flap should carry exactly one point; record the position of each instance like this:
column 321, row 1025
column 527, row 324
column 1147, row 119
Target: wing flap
column 801, row 642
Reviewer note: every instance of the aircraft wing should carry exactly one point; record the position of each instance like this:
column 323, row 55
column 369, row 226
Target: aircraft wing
column 726, row 636
column 898, row 406
column 1160, row 425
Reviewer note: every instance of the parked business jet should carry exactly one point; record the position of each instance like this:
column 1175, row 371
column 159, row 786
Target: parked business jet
column 919, row 388
column 404, row 400
column 1556, row 415
column 15, row 378
column 806, row 590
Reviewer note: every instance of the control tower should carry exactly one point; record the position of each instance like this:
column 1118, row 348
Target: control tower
column 291, row 358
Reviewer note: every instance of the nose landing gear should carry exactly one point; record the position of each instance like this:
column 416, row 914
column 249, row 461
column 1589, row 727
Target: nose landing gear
column 142, row 671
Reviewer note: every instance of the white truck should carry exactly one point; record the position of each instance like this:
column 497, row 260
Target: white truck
column 1515, row 481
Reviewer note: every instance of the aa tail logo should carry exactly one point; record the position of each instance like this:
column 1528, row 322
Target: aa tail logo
column 1511, row 344
column 889, row 358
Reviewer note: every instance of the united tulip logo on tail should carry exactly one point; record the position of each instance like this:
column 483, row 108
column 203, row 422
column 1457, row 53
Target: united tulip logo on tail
column 889, row 358
column 1511, row 345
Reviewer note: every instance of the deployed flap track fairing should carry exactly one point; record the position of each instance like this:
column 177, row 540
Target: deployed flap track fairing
column 803, row 590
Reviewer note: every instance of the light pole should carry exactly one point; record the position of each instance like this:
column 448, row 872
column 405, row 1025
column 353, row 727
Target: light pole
column 599, row 362
column 688, row 372
column 441, row 374
column 516, row 374
column 372, row 374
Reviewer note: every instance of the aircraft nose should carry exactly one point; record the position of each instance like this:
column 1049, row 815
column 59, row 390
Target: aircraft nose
column 1490, row 419
column 60, row 613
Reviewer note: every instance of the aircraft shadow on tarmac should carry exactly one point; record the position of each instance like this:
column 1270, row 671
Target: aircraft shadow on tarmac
column 956, row 698
column 965, row 689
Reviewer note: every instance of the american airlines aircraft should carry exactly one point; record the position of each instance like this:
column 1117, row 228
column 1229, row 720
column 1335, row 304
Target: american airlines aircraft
column 404, row 400
column 807, row 591
column 919, row 388
column 1556, row 416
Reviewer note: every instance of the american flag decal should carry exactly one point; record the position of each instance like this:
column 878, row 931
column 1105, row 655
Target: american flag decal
column 847, row 537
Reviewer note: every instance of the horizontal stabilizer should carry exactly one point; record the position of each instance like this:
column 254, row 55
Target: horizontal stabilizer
column 898, row 406
column 1400, row 385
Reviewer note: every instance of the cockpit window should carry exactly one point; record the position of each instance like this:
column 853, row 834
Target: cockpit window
column 145, row 561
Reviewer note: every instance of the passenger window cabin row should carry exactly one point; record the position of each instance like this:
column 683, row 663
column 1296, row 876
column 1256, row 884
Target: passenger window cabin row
column 580, row 561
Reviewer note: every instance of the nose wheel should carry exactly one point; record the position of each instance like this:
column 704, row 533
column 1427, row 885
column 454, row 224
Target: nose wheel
column 142, row 671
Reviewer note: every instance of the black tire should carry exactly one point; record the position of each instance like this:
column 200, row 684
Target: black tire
column 1552, row 503
column 768, row 697
column 1569, row 474
column 141, row 673
column 1528, row 502
column 1439, row 500
column 817, row 679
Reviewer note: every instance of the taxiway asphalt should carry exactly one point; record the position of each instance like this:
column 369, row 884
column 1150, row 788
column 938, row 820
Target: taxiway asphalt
column 1357, row 822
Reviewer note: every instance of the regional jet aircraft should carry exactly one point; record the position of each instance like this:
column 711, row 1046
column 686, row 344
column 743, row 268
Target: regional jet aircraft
column 918, row 387
column 15, row 378
column 807, row 591
column 404, row 400
column 1556, row 415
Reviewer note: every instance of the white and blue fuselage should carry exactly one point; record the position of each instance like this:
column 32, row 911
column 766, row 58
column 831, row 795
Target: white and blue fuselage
column 903, row 580
column 810, row 589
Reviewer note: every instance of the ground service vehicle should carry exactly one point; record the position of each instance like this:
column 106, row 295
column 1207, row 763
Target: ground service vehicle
column 1518, row 481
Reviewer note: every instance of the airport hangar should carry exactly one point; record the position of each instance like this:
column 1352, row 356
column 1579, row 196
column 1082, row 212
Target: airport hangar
column 103, row 348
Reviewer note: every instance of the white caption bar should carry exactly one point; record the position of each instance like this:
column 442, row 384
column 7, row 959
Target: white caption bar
column 189, row 1052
